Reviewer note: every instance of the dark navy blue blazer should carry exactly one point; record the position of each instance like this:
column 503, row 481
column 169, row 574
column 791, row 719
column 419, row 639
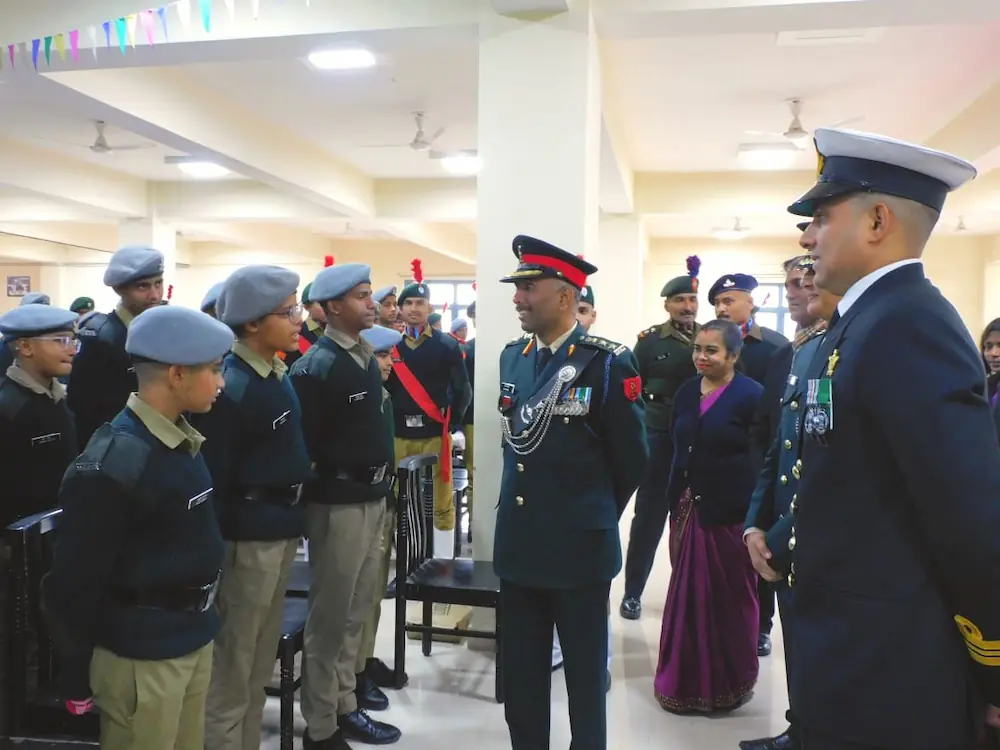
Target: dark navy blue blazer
column 713, row 454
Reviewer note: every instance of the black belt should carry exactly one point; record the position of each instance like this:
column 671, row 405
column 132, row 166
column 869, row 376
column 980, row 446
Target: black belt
column 181, row 599
column 363, row 475
column 274, row 495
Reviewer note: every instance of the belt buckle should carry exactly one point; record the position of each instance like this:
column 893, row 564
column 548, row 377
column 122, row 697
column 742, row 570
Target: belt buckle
column 209, row 592
column 379, row 474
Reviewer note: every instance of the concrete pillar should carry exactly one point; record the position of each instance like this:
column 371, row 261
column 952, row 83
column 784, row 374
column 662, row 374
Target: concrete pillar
column 618, row 286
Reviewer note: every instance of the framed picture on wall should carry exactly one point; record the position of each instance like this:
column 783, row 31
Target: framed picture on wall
column 18, row 286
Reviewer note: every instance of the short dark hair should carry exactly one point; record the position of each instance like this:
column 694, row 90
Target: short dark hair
column 732, row 336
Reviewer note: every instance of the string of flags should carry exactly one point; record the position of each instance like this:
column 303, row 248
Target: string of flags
column 123, row 32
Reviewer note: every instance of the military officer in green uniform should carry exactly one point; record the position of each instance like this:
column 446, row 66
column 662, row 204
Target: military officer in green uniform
column 664, row 355
column 586, row 311
column 574, row 450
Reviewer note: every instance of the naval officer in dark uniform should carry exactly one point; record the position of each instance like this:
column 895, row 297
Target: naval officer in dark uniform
column 574, row 450
column 896, row 565
column 130, row 597
column 664, row 356
column 103, row 376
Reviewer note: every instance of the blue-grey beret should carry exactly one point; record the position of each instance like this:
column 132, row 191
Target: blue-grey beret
column 336, row 281
column 381, row 294
column 173, row 335
column 36, row 298
column 459, row 323
column 732, row 282
column 212, row 296
column 252, row 292
column 131, row 264
column 382, row 339
column 34, row 320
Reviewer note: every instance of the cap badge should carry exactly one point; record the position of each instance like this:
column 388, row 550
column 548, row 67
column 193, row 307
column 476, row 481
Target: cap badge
column 820, row 161
column 728, row 283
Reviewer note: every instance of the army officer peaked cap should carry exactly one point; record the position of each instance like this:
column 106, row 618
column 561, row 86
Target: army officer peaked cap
column 538, row 259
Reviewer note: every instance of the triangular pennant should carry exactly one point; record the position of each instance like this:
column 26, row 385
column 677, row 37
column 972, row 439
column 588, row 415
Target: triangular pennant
column 231, row 7
column 131, row 22
column 25, row 52
column 35, row 46
column 255, row 7
column 92, row 32
column 205, row 6
column 184, row 13
column 74, row 45
column 107, row 33
column 11, row 50
column 61, row 46
column 121, row 29
column 48, row 50
column 162, row 13
column 149, row 25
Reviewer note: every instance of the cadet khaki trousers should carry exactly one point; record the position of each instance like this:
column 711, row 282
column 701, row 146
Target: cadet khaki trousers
column 344, row 556
column 370, row 629
column 151, row 705
column 251, row 603
column 444, row 500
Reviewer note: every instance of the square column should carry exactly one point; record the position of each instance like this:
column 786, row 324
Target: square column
column 618, row 286
column 539, row 138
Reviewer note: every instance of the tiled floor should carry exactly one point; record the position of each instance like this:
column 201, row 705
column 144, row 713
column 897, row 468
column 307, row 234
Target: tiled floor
column 449, row 701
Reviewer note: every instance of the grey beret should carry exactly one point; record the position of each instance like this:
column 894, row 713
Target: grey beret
column 252, row 292
column 459, row 323
column 336, row 281
column 382, row 339
column 173, row 335
column 33, row 320
column 212, row 296
column 36, row 298
column 381, row 294
column 132, row 264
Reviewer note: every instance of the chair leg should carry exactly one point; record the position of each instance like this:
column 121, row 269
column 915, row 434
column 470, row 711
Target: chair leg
column 399, row 656
column 498, row 687
column 287, row 694
column 428, row 621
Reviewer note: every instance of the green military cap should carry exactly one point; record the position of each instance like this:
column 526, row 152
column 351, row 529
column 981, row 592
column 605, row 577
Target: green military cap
column 305, row 294
column 687, row 284
column 587, row 295
column 434, row 318
column 81, row 305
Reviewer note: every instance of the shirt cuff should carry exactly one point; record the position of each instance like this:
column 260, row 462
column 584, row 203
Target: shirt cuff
column 751, row 530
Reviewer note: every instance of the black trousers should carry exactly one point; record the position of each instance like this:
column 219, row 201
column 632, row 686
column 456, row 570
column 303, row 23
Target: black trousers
column 765, row 595
column 651, row 513
column 784, row 596
column 581, row 616
column 812, row 741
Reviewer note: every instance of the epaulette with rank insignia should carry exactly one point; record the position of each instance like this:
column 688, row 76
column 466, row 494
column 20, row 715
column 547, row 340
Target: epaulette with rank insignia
column 651, row 329
column 519, row 341
column 604, row 344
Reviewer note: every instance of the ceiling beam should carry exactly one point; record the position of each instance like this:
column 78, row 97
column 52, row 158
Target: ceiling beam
column 229, row 200
column 523, row 7
column 449, row 240
column 284, row 241
column 975, row 132
column 435, row 200
column 99, row 237
column 21, row 21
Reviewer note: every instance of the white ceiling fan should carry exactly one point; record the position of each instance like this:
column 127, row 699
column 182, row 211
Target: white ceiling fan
column 100, row 144
column 420, row 140
column 796, row 133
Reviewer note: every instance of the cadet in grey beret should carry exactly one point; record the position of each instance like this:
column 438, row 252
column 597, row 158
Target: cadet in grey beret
column 458, row 324
column 131, row 264
column 36, row 298
column 35, row 320
column 381, row 294
column 178, row 336
column 336, row 281
column 252, row 292
column 382, row 339
column 211, row 298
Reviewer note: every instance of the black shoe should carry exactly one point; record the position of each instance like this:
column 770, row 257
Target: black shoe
column 380, row 673
column 783, row 741
column 361, row 727
column 631, row 608
column 763, row 645
column 390, row 590
column 368, row 694
column 335, row 742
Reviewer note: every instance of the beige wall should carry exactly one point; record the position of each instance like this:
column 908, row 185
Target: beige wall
column 956, row 264
column 33, row 271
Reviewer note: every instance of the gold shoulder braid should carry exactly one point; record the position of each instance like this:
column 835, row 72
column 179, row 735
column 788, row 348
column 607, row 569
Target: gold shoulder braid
column 981, row 650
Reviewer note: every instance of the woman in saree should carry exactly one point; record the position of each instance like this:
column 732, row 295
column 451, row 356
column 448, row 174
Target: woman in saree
column 708, row 644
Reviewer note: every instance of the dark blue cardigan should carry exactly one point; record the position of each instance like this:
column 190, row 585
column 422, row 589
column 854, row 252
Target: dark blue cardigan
column 713, row 454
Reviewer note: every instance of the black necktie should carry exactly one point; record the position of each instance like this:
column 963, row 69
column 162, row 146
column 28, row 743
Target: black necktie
column 542, row 359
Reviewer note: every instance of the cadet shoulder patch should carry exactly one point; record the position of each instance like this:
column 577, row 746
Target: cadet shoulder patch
column 237, row 381
column 604, row 344
column 91, row 324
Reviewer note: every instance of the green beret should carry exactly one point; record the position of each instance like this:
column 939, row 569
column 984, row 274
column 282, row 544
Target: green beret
column 680, row 285
column 82, row 304
column 587, row 295
column 305, row 294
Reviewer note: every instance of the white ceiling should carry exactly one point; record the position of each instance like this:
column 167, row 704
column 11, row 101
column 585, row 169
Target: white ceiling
column 686, row 102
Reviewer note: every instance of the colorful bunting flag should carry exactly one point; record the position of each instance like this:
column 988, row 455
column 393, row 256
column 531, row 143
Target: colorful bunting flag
column 60, row 41
column 231, row 7
column 35, row 45
column 205, row 6
column 121, row 29
column 107, row 32
column 162, row 13
column 11, row 49
column 74, row 45
column 149, row 25
column 92, row 33
column 184, row 13
column 131, row 21
column 48, row 50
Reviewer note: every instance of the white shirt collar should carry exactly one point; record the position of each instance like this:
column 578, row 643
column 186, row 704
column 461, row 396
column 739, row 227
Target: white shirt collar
column 554, row 346
column 863, row 284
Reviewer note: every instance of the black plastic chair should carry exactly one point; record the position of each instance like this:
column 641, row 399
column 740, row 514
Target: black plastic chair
column 34, row 712
column 433, row 581
column 293, row 628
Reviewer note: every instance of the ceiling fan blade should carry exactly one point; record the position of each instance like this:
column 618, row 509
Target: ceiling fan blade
column 384, row 145
column 438, row 134
column 140, row 147
column 764, row 132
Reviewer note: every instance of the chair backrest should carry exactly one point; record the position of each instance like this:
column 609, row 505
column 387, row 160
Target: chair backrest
column 414, row 514
column 31, row 542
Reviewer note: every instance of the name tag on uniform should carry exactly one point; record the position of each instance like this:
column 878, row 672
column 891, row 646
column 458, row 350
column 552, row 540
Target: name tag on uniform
column 86, row 332
column 661, row 356
column 355, row 397
column 416, row 420
column 197, row 500
column 45, row 439
column 280, row 420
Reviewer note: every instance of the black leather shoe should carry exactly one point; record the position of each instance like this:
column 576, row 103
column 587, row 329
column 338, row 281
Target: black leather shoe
column 336, row 742
column 631, row 608
column 361, row 727
column 783, row 741
column 382, row 675
column 369, row 696
column 390, row 590
column 763, row 645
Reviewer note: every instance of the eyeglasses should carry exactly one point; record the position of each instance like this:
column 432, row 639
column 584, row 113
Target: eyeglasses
column 293, row 313
column 66, row 342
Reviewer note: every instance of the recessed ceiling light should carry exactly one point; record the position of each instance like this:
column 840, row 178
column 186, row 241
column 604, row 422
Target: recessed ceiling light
column 462, row 164
column 202, row 170
column 767, row 156
column 341, row 59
